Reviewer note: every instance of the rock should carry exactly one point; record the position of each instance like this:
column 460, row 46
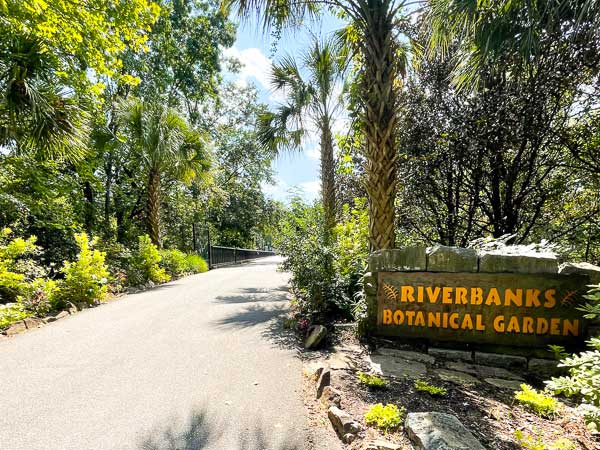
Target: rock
column 314, row 371
column 381, row 445
column 544, row 368
column 348, row 438
column 338, row 361
column 50, row 319
column 451, row 259
column 405, row 354
column 398, row 259
column 150, row 284
column 446, row 353
column 16, row 328
column 342, row 422
column 316, row 335
column 331, row 397
column 456, row 377
column 497, row 261
column 324, row 381
column 62, row 315
column 72, row 308
column 514, row 385
column 482, row 371
column 82, row 305
column 397, row 367
column 439, row 431
column 32, row 322
column 501, row 360
column 583, row 268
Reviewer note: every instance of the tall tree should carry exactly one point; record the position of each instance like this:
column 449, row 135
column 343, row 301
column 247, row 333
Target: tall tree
column 314, row 96
column 382, row 62
column 165, row 144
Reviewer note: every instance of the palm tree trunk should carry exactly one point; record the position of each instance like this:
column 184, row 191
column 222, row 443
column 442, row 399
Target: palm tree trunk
column 327, row 176
column 154, row 206
column 379, row 119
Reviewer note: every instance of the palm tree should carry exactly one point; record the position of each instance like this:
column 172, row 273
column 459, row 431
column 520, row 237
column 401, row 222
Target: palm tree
column 313, row 97
column 486, row 30
column 167, row 146
column 36, row 116
column 382, row 62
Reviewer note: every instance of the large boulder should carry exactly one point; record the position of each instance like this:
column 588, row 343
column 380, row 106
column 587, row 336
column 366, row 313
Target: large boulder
column 439, row 431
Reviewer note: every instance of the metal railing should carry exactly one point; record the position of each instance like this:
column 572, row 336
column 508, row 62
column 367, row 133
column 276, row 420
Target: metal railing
column 230, row 255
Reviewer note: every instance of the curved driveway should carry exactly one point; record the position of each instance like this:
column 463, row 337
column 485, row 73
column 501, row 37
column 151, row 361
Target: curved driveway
column 199, row 363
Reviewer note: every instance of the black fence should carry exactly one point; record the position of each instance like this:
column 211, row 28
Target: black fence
column 229, row 255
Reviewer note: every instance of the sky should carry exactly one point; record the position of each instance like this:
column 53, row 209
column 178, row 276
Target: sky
column 298, row 171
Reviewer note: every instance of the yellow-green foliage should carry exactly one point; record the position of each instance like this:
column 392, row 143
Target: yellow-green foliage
column 87, row 277
column 12, row 314
column 145, row 263
column 542, row 404
column 10, row 251
column 386, row 417
column 372, row 381
column 534, row 442
column 195, row 263
column 424, row 386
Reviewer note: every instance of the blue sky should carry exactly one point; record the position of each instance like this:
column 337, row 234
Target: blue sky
column 253, row 48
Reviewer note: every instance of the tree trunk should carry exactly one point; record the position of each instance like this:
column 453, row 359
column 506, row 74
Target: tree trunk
column 379, row 103
column 327, row 176
column 154, row 206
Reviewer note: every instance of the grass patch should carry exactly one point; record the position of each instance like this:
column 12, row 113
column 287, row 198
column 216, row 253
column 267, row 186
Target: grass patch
column 386, row 418
column 435, row 391
column 542, row 404
column 373, row 381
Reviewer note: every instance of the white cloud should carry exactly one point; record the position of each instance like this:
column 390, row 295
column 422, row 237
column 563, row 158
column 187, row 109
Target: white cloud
column 313, row 152
column 255, row 65
column 312, row 188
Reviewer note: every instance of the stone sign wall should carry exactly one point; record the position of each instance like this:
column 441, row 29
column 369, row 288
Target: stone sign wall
column 457, row 295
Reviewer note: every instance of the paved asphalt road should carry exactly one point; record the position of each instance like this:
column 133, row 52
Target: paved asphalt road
column 198, row 363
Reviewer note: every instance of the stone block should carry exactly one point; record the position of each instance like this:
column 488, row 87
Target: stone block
column 533, row 263
column 543, row 368
column 397, row 367
column 439, row 431
column 501, row 383
column 451, row 259
column 456, row 377
column 316, row 336
column 483, row 371
column 32, row 322
column 342, row 422
column 16, row 328
column 381, row 445
column 592, row 271
column 407, row 355
column 500, row 360
column 331, row 397
column 450, row 354
column 323, row 381
column 402, row 259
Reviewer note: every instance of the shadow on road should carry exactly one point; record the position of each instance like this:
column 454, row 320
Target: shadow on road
column 254, row 295
column 201, row 433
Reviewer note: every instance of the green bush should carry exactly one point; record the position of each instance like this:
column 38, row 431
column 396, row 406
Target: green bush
column 373, row 381
column 144, row 264
column 535, row 442
column 386, row 417
column 173, row 262
column 424, row 386
column 583, row 380
column 195, row 263
column 85, row 278
column 542, row 404
column 12, row 314
column 13, row 280
column 305, row 245
column 40, row 297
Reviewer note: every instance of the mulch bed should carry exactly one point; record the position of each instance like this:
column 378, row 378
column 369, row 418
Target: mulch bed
column 488, row 412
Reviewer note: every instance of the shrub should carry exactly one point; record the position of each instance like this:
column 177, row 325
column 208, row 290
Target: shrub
column 535, row 442
column 424, row 386
column 13, row 280
column 305, row 244
column 542, row 404
column 173, row 262
column 87, row 277
column 583, row 378
column 195, row 263
column 40, row 297
column 12, row 314
column 144, row 264
column 386, row 417
column 373, row 381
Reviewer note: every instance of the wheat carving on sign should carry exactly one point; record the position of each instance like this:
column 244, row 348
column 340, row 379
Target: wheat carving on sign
column 391, row 293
